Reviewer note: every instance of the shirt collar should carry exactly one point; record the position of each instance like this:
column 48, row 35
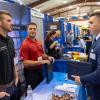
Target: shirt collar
column 4, row 38
column 97, row 37
column 28, row 38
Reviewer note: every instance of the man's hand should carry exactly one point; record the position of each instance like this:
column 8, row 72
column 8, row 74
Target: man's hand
column 44, row 57
column 77, row 79
column 3, row 94
column 52, row 59
column 16, row 77
column 46, row 62
column 16, row 80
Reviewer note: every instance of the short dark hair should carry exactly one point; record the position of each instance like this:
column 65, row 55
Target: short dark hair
column 31, row 23
column 50, row 34
column 95, row 14
column 4, row 12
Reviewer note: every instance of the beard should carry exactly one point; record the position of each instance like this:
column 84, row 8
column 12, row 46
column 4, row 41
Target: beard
column 7, row 29
column 32, row 35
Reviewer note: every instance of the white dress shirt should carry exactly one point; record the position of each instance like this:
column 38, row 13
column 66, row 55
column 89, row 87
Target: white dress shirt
column 97, row 37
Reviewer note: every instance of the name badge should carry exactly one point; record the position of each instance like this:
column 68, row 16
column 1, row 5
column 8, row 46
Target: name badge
column 92, row 50
column 40, row 58
column 92, row 56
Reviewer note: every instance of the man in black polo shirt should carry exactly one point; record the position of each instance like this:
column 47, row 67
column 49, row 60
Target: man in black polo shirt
column 8, row 73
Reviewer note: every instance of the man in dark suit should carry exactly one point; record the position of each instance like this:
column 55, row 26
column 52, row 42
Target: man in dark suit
column 92, row 80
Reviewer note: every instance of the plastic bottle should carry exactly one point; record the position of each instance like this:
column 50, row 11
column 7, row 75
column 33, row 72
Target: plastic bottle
column 22, row 97
column 29, row 90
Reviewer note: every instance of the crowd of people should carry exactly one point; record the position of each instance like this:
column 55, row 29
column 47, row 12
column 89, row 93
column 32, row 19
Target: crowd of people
column 33, row 56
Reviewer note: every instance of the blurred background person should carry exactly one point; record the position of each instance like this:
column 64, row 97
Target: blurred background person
column 69, row 39
column 52, row 44
column 82, row 33
column 88, row 39
column 81, row 43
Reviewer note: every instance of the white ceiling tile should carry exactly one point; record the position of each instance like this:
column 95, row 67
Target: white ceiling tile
column 25, row 2
column 51, row 4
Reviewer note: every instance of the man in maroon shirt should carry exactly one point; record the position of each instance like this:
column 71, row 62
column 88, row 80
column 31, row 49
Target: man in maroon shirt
column 33, row 57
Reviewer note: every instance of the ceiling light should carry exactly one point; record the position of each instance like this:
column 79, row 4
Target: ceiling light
column 64, row 1
column 78, row 8
column 76, row 14
column 96, row 10
column 38, row 10
column 98, row 3
column 48, row 14
column 20, row 2
column 70, row 7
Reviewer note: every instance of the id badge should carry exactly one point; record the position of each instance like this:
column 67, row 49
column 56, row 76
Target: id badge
column 93, row 56
column 40, row 58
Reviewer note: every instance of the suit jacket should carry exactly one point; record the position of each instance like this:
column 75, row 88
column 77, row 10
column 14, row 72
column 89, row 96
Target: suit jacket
column 93, row 79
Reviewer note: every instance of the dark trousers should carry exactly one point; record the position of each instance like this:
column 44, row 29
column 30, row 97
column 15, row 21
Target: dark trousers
column 94, row 92
column 33, row 77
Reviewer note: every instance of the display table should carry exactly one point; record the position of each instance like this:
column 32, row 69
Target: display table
column 74, row 48
column 80, row 57
column 60, row 65
column 43, row 91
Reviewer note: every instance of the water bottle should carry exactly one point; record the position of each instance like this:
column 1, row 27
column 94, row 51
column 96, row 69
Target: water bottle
column 22, row 97
column 29, row 90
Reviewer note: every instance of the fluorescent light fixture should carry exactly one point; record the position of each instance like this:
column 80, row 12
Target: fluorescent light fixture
column 98, row 3
column 38, row 10
column 96, row 10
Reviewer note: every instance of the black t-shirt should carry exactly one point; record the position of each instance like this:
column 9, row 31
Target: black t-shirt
column 7, row 54
column 52, row 52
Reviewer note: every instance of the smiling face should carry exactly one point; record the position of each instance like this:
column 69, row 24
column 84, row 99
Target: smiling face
column 6, row 23
column 32, row 30
column 94, row 25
